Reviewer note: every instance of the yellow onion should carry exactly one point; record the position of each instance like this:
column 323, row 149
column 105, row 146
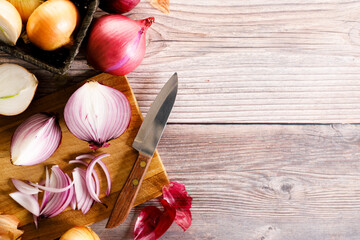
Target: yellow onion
column 10, row 23
column 80, row 233
column 8, row 227
column 52, row 24
column 25, row 7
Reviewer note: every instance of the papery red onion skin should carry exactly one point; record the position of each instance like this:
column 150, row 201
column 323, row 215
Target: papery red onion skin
column 118, row 6
column 117, row 43
column 146, row 222
column 175, row 194
column 153, row 223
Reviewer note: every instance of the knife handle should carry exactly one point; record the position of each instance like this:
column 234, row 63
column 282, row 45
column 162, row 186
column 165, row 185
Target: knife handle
column 126, row 198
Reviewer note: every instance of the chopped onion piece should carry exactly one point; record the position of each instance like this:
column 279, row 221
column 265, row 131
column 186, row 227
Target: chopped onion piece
column 54, row 190
column 26, row 201
column 23, row 187
column 60, row 191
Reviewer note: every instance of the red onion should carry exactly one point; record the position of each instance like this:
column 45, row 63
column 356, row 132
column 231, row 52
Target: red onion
column 118, row 6
column 28, row 202
column 89, row 171
column 87, row 184
column 117, row 43
column 35, row 140
column 97, row 113
column 24, row 188
column 60, row 192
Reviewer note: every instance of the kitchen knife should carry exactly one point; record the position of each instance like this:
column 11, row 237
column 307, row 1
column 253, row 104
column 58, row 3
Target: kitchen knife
column 145, row 142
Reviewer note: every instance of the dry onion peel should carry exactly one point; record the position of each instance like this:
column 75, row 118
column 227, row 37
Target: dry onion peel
column 25, row 7
column 152, row 223
column 17, row 89
column 10, row 23
column 117, row 43
column 97, row 113
column 35, row 140
column 52, row 24
column 175, row 194
column 8, row 227
column 80, row 233
column 162, row 5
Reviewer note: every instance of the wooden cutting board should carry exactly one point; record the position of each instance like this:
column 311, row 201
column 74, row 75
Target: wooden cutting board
column 120, row 162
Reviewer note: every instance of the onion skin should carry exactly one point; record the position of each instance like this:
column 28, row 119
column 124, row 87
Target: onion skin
column 25, row 7
column 51, row 25
column 8, row 227
column 80, row 233
column 117, row 43
column 118, row 6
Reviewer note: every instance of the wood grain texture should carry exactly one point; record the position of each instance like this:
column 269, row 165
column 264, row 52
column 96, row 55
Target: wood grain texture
column 121, row 160
column 284, row 61
column 262, row 182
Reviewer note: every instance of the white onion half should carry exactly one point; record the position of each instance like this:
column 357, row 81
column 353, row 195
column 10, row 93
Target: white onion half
column 10, row 23
column 17, row 89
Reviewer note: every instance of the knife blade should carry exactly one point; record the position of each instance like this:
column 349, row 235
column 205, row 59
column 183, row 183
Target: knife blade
column 145, row 143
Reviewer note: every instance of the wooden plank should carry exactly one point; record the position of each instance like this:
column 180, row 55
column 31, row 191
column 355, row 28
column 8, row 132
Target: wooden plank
column 263, row 181
column 120, row 162
column 283, row 61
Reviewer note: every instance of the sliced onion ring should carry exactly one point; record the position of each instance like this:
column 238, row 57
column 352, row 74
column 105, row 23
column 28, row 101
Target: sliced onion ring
column 89, row 173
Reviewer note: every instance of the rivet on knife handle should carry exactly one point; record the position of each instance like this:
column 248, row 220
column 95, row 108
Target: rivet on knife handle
column 129, row 192
column 145, row 142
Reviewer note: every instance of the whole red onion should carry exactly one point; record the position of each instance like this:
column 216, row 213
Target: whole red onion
column 117, row 43
column 118, row 6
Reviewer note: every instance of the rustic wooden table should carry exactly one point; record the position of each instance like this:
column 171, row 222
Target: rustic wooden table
column 264, row 132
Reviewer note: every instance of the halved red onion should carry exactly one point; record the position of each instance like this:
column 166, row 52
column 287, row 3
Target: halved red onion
column 35, row 140
column 97, row 114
